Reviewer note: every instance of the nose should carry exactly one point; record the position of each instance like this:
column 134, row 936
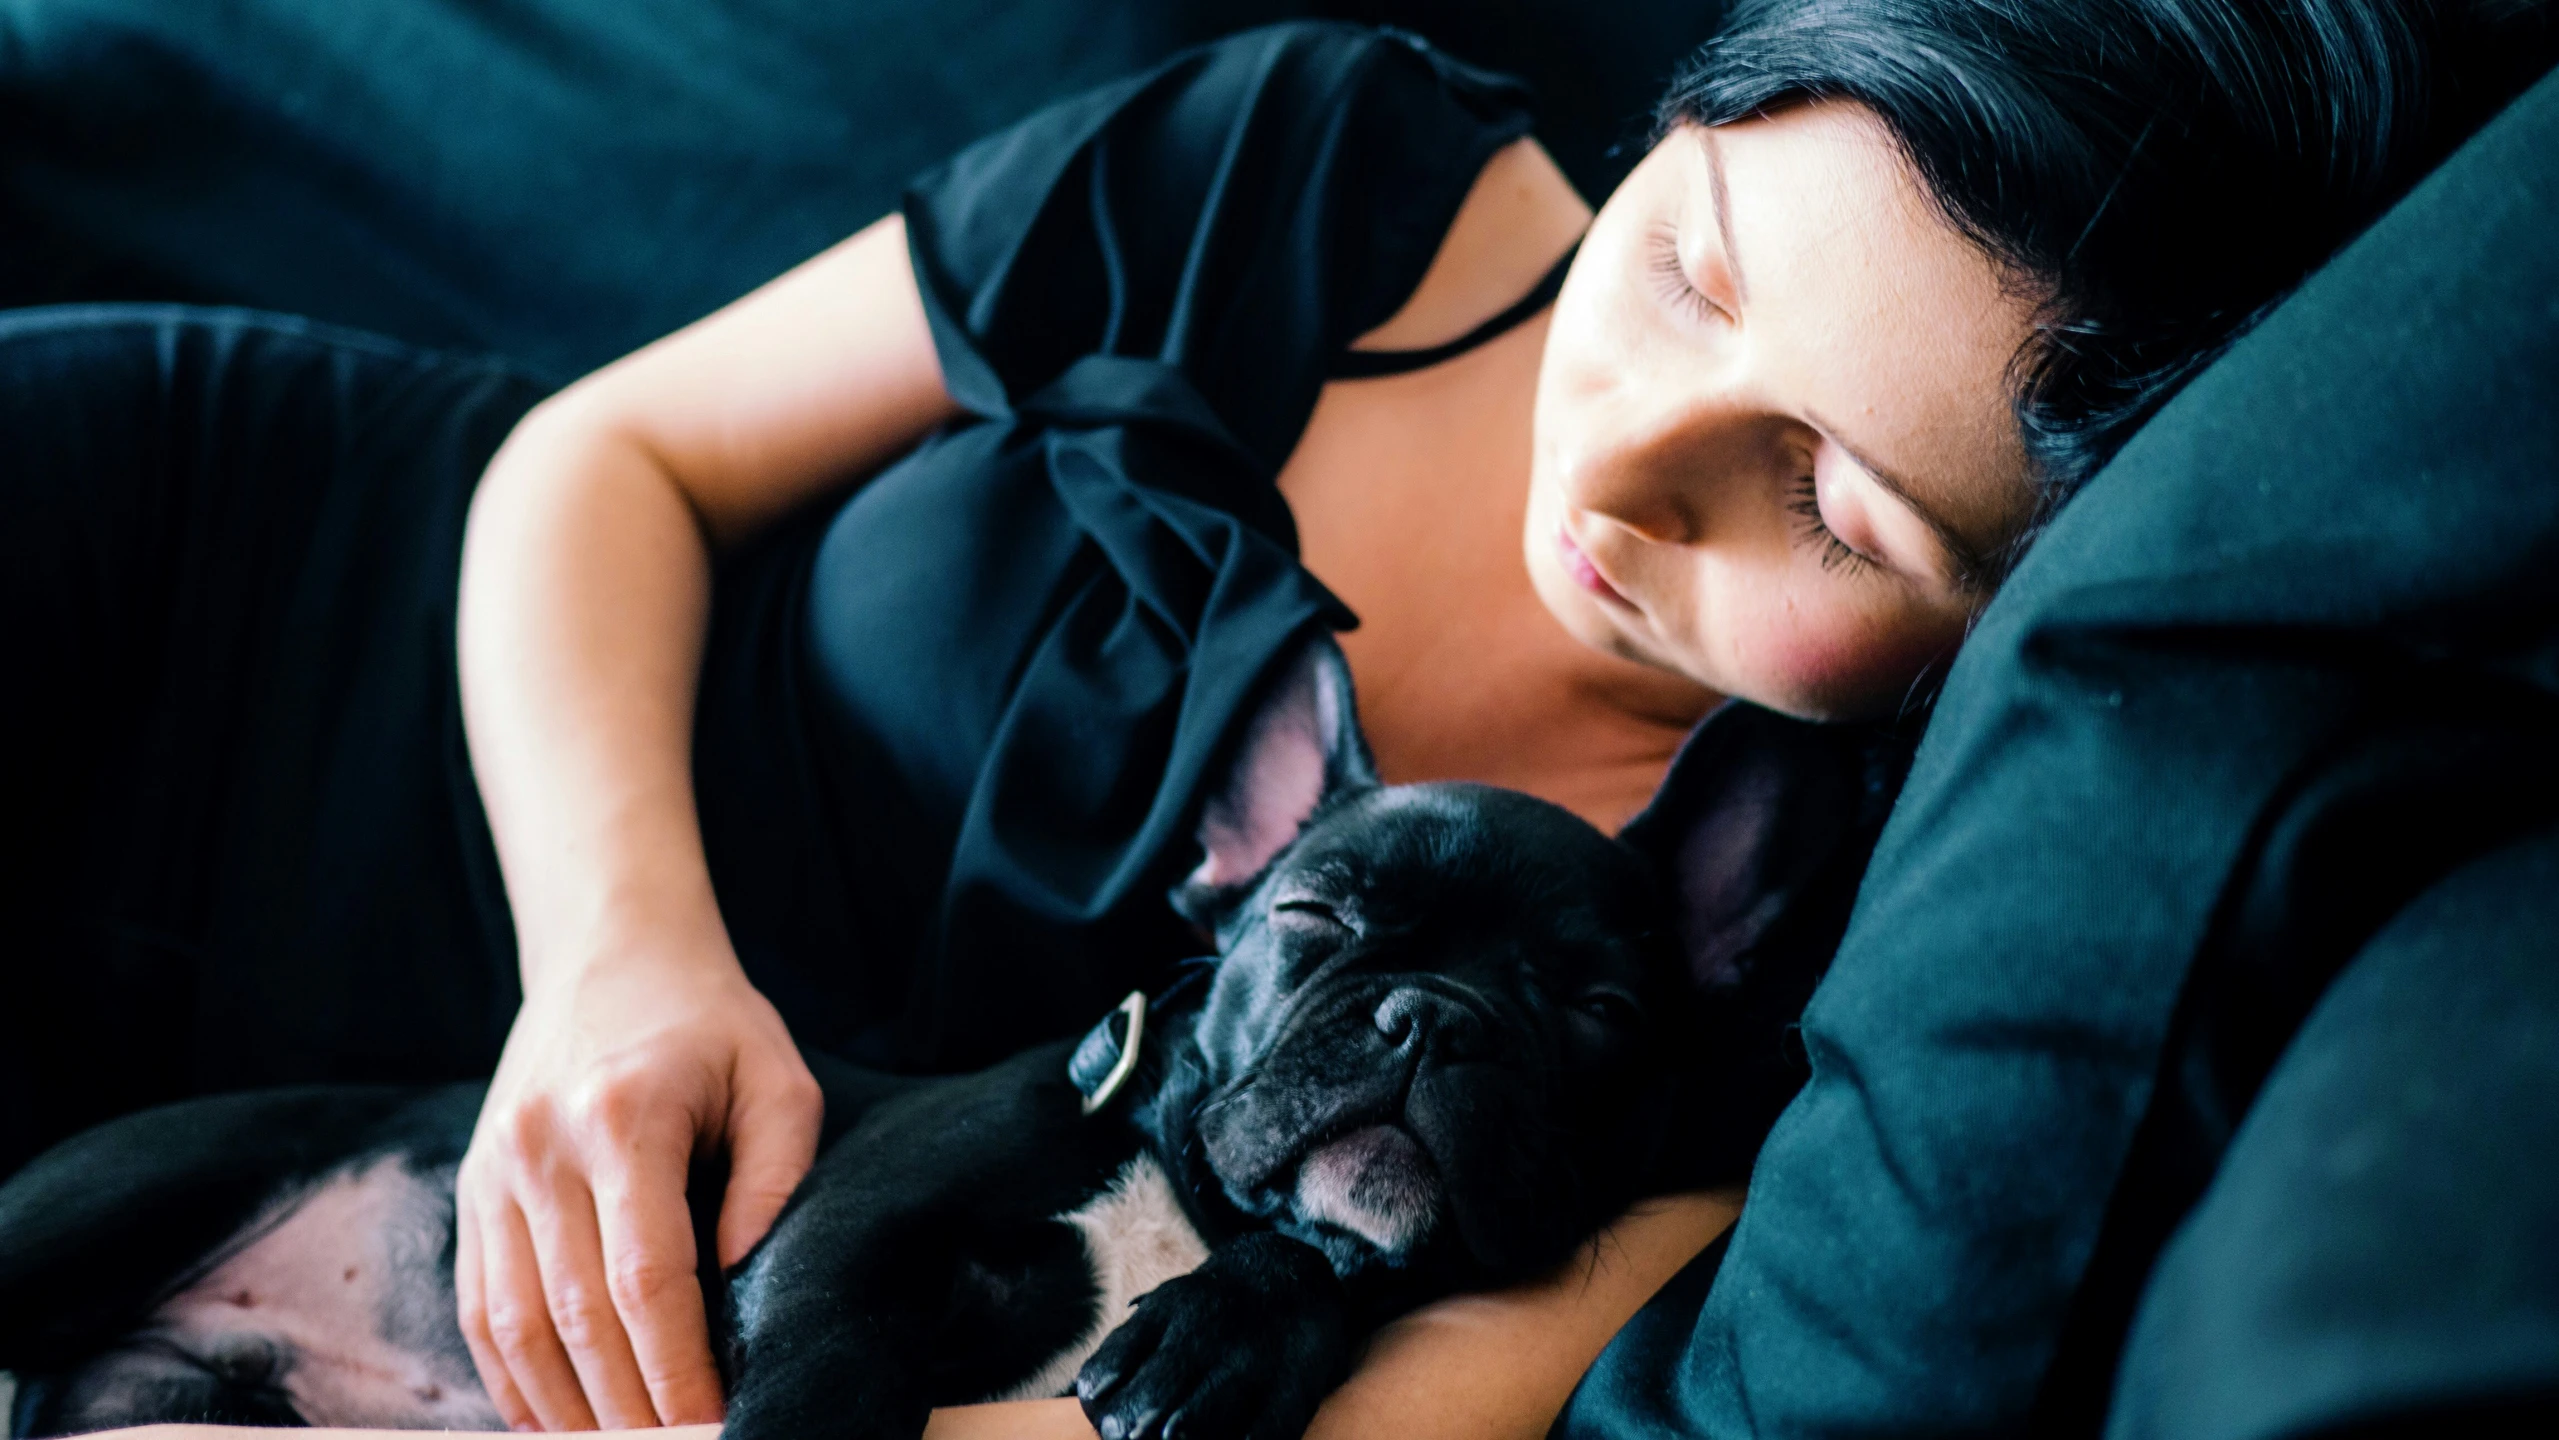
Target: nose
column 1655, row 461
column 1413, row 1018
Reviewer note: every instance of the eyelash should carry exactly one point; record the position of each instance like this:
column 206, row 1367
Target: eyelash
column 1672, row 276
column 1804, row 503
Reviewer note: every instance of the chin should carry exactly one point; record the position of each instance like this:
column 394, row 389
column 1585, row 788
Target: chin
column 1586, row 618
column 1579, row 614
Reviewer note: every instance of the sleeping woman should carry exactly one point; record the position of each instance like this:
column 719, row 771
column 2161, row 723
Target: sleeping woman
column 839, row 671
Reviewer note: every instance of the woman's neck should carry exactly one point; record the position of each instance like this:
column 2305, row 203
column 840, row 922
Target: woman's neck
column 1411, row 495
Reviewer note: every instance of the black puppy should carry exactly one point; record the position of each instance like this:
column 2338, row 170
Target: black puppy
column 1430, row 1057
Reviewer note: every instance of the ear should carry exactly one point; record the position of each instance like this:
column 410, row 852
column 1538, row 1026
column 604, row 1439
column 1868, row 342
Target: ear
column 1301, row 748
column 1760, row 836
column 1761, row 814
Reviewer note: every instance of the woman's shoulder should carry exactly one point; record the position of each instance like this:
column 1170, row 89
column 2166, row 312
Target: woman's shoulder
column 1518, row 217
column 1519, row 211
column 1353, row 83
column 1241, row 213
column 1333, row 55
column 1304, row 98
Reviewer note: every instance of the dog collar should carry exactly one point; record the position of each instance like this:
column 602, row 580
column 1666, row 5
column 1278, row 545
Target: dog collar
column 1108, row 1055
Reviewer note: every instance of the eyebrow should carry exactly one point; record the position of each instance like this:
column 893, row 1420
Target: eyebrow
column 1723, row 210
column 1972, row 567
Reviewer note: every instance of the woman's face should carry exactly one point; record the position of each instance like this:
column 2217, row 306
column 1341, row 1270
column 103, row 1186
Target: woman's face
column 1774, row 441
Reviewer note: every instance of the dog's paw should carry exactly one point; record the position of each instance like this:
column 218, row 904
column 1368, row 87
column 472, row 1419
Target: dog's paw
column 1243, row 1348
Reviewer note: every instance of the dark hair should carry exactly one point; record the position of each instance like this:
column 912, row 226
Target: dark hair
column 2155, row 173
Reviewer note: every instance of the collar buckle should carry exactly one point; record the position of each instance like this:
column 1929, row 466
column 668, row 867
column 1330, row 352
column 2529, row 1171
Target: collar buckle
column 1103, row 1063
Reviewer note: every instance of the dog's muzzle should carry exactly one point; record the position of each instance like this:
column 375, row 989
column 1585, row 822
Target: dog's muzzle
column 1320, row 1127
column 1374, row 1182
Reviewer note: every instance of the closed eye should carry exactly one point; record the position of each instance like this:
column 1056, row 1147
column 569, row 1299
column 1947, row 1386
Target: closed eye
column 1803, row 501
column 1315, row 910
column 1611, row 1007
column 1670, row 277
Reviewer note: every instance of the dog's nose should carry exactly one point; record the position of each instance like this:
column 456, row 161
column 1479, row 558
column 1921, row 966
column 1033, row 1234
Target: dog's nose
column 1395, row 1016
column 1412, row 1016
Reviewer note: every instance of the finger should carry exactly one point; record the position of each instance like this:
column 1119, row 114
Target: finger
column 570, row 1250
column 772, row 1142
column 471, row 1308
column 521, row 1324
column 649, row 1264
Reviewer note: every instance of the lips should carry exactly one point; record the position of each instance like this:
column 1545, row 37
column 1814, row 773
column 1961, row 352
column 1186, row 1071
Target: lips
column 1584, row 573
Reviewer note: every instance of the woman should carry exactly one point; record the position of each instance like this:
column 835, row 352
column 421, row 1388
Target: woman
column 1895, row 279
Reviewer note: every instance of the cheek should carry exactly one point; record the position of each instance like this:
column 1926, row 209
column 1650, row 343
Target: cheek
column 1813, row 649
column 1602, row 334
column 1573, row 371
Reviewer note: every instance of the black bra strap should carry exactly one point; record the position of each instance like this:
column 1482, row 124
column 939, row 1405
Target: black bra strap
column 1370, row 364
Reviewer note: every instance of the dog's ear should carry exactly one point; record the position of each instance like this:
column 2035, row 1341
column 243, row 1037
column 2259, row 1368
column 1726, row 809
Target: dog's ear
column 1302, row 747
column 1760, row 815
column 1760, row 836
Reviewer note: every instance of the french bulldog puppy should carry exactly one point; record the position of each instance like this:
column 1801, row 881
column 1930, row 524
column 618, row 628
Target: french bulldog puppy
column 1431, row 1054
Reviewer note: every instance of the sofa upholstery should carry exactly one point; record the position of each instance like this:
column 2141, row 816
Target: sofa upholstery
column 561, row 181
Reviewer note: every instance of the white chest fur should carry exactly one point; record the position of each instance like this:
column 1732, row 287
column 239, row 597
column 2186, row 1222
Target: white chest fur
column 1136, row 1237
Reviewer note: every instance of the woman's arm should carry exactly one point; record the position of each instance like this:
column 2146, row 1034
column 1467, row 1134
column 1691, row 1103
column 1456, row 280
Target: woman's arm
column 1484, row 1367
column 1474, row 1367
column 585, row 592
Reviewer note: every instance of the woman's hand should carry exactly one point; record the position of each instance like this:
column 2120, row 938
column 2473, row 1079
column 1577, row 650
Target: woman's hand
column 574, row 1261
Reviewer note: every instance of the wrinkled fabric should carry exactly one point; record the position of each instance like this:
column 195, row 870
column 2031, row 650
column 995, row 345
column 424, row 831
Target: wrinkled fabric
column 2286, row 663
column 2376, row 1247
column 987, row 688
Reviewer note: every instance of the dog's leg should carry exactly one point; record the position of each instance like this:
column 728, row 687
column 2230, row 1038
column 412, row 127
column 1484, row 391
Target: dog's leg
column 147, row 1381
column 924, row 1261
column 863, row 1334
column 1243, row 1348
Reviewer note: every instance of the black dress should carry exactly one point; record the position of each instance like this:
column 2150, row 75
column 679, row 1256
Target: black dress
column 951, row 727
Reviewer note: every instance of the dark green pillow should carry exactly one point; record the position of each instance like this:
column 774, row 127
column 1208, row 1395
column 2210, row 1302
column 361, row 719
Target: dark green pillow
column 2376, row 1250
column 2288, row 661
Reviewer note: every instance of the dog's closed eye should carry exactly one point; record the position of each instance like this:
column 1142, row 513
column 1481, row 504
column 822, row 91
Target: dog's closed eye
column 1611, row 1007
column 1310, row 910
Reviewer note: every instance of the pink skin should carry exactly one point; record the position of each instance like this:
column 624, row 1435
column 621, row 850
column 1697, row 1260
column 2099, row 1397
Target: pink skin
column 1847, row 339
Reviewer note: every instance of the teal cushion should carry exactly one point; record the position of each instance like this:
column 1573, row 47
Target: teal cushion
column 2376, row 1247
column 557, row 180
column 2292, row 657
column 561, row 181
